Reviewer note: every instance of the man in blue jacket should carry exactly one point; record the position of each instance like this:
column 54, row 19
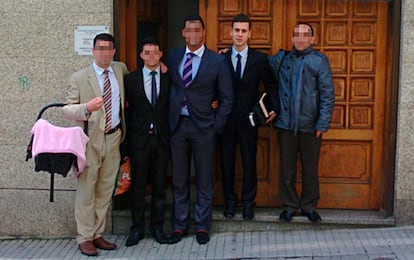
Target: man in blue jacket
column 306, row 102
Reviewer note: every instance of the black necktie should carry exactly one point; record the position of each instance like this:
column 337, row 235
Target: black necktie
column 153, row 89
column 238, row 66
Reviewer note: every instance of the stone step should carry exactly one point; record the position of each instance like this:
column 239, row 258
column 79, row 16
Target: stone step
column 267, row 219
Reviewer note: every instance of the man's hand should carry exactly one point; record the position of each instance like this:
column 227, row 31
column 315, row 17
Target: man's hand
column 223, row 51
column 214, row 104
column 319, row 133
column 163, row 67
column 272, row 116
column 94, row 104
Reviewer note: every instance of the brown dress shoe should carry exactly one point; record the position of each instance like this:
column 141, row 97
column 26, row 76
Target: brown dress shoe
column 87, row 248
column 101, row 243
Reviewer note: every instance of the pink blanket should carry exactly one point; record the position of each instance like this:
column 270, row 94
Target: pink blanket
column 53, row 139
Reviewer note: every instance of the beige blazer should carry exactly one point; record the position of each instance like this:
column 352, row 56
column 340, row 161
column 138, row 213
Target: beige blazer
column 83, row 86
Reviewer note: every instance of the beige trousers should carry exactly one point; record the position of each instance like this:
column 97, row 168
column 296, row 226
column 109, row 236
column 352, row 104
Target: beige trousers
column 94, row 189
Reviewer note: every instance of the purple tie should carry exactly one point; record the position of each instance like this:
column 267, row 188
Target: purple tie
column 188, row 70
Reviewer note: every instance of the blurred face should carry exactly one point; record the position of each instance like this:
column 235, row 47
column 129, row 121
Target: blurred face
column 193, row 34
column 302, row 37
column 103, row 53
column 151, row 55
column 240, row 34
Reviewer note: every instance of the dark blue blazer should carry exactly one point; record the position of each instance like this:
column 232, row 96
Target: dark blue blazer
column 213, row 81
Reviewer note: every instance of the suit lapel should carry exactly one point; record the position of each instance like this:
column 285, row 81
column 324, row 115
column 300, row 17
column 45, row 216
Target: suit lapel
column 120, row 78
column 249, row 63
column 163, row 85
column 178, row 59
column 228, row 58
column 93, row 82
column 138, row 85
column 203, row 64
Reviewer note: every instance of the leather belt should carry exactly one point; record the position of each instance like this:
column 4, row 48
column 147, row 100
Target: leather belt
column 152, row 131
column 113, row 130
column 183, row 117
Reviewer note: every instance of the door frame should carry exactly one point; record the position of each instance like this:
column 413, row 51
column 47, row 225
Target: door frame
column 124, row 19
column 391, row 108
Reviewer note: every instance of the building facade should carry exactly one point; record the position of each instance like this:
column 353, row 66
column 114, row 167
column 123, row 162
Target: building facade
column 38, row 54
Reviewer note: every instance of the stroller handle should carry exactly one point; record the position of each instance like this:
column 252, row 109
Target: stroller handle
column 48, row 106
column 29, row 146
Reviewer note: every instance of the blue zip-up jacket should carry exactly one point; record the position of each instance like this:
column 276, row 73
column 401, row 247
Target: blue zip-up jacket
column 306, row 92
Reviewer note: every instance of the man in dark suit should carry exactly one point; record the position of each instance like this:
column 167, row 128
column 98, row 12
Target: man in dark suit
column 147, row 94
column 198, row 76
column 249, row 68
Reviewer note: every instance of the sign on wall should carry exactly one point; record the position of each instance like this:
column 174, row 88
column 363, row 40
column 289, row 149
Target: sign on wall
column 84, row 36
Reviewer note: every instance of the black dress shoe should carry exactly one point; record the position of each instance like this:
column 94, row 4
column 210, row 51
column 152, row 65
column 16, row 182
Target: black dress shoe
column 159, row 236
column 286, row 216
column 133, row 238
column 312, row 216
column 248, row 213
column 229, row 211
column 202, row 237
column 176, row 236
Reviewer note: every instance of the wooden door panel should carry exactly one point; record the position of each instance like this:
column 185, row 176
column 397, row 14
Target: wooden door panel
column 353, row 36
column 339, row 166
column 229, row 7
column 259, row 7
column 344, row 196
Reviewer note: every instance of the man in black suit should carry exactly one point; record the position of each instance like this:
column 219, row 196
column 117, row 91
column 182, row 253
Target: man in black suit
column 147, row 94
column 249, row 68
column 198, row 76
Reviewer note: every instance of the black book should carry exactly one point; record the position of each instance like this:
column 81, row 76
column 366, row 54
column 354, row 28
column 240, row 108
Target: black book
column 260, row 111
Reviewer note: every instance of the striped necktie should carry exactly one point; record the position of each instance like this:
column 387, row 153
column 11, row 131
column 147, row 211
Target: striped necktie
column 107, row 101
column 188, row 70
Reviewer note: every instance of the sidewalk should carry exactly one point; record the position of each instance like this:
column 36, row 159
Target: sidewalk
column 355, row 244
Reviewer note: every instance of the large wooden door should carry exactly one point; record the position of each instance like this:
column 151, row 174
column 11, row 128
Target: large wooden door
column 353, row 36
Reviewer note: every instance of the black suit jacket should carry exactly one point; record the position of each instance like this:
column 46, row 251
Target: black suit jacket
column 140, row 113
column 246, row 90
column 213, row 81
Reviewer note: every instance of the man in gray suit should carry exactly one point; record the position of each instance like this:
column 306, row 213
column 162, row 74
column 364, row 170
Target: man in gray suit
column 88, row 89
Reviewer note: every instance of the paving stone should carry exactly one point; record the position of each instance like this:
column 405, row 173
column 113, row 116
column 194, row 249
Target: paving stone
column 352, row 244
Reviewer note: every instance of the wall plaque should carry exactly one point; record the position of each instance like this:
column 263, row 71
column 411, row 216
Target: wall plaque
column 84, row 36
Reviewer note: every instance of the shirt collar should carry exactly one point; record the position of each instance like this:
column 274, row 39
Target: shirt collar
column 243, row 53
column 199, row 52
column 99, row 70
column 146, row 71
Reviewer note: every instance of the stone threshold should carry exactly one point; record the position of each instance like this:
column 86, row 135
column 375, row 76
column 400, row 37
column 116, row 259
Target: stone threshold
column 267, row 219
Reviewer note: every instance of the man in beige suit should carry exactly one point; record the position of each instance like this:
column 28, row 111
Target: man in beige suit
column 105, row 125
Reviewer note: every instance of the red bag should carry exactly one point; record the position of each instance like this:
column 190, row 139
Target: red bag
column 123, row 178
